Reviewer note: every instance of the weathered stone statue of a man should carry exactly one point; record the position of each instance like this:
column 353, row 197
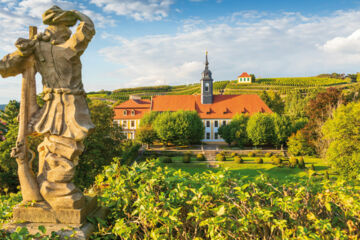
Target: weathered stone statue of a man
column 64, row 120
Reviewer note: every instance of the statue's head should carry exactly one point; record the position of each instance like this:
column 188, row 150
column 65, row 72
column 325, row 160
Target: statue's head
column 59, row 22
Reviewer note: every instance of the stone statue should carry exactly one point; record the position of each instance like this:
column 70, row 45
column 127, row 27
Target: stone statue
column 64, row 120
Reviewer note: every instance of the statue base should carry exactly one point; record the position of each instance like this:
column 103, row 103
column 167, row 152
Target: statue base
column 64, row 222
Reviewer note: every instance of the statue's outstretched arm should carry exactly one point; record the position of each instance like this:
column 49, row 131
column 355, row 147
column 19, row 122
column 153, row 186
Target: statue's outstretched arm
column 12, row 64
column 83, row 35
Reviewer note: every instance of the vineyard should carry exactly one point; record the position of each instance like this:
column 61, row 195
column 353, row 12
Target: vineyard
column 302, row 82
column 281, row 85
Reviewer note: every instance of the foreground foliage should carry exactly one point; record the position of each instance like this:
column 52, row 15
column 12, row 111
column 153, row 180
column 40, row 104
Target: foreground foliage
column 152, row 202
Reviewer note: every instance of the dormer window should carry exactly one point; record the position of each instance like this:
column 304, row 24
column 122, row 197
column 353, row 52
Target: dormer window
column 133, row 112
column 125, row 112
column 206, row 87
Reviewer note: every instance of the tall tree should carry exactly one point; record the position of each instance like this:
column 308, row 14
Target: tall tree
column 260, row 129
column 274, row 101
column 146, row 135
column 282, row 129
column 318, row 111
column 180, row 127
column 342, row 133
column 235, row 131
column 101, row 145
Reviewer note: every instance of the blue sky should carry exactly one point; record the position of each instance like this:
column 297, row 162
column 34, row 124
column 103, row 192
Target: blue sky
column 152, row 42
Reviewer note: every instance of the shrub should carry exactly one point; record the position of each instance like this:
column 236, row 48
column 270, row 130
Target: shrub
column 223, row 153
column 238, row 159
column 186, row 158
column 233, row 154
column 251, row 154
column 301, row 163
column 268, row 154
column 166, row 159
column 259, row 160
column 293, row 162
column 326, row 217
column 220, row 157
column 277, row 161
column 312, row 167
column 200, row 157
column 326, row 175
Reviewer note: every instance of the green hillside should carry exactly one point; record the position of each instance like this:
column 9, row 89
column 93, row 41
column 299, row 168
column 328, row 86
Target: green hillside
column 282, row 85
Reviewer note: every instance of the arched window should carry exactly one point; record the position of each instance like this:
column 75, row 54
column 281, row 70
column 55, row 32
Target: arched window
column 206, row 87
column 125, row 112
column 133, row 112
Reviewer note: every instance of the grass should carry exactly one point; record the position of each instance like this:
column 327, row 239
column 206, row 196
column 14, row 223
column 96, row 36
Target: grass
column 250, row 169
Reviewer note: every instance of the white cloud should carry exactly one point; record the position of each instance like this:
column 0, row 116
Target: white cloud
column 345, row 45
column 137, row 9
column 286, row 45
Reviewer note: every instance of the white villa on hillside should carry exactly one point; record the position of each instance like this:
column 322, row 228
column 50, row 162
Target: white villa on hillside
column 244, row 78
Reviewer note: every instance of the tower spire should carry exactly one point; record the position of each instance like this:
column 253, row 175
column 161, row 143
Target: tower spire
column 206, row 83
column 206, row 59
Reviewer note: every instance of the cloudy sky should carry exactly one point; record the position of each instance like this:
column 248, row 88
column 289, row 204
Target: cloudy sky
column 152, row 42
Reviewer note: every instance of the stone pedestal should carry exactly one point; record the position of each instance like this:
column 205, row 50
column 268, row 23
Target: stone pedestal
column 65, row 222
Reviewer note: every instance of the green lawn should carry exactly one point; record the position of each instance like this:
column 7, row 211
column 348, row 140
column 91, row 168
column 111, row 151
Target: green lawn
column 250, row 168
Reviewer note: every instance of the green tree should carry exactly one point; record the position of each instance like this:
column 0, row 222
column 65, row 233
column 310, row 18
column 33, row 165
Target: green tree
column 274, row 101
column 342, row 133
column 253, row 78
column 299, row 146
column 8, row 165
column 296, row 103
column 277, row 105
column 146, row 135
column 260, row 129
column 180, row 127
column 101, row 145
column 235, row 131
column 10, row 113
column 226, row 133
column 282, row 128
column 148, row 118
column 318, row 110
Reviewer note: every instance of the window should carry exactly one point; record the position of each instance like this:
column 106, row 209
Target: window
column 132, row 124
column 207, row 135
column 125, row 112
column 124, row 124
column 206, row 87
column 133, row 112
column 216, row 135
column 115, row 123
column 224, row 122
column 216, row 123
column 207, row 123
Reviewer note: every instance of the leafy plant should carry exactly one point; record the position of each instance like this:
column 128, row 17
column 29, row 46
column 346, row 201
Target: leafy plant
column 200, row 157
column 238, row 159
column 220, row 157
column 259, row 160
column 293, row 162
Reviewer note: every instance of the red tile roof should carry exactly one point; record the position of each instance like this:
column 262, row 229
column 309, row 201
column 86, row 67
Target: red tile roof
column 223, row 106
column 244, row 74
column 140, row 106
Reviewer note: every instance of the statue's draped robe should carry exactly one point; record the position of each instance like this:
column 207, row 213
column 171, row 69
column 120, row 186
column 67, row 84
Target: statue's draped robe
column 64, row 120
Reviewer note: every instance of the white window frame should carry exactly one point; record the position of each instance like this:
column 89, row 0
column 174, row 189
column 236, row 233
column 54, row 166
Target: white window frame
column 133, row 112
column 216, row 123
column 132, row 124
column 208, row 136
column 207, row 122
column 124, row 124
column 125, row 112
